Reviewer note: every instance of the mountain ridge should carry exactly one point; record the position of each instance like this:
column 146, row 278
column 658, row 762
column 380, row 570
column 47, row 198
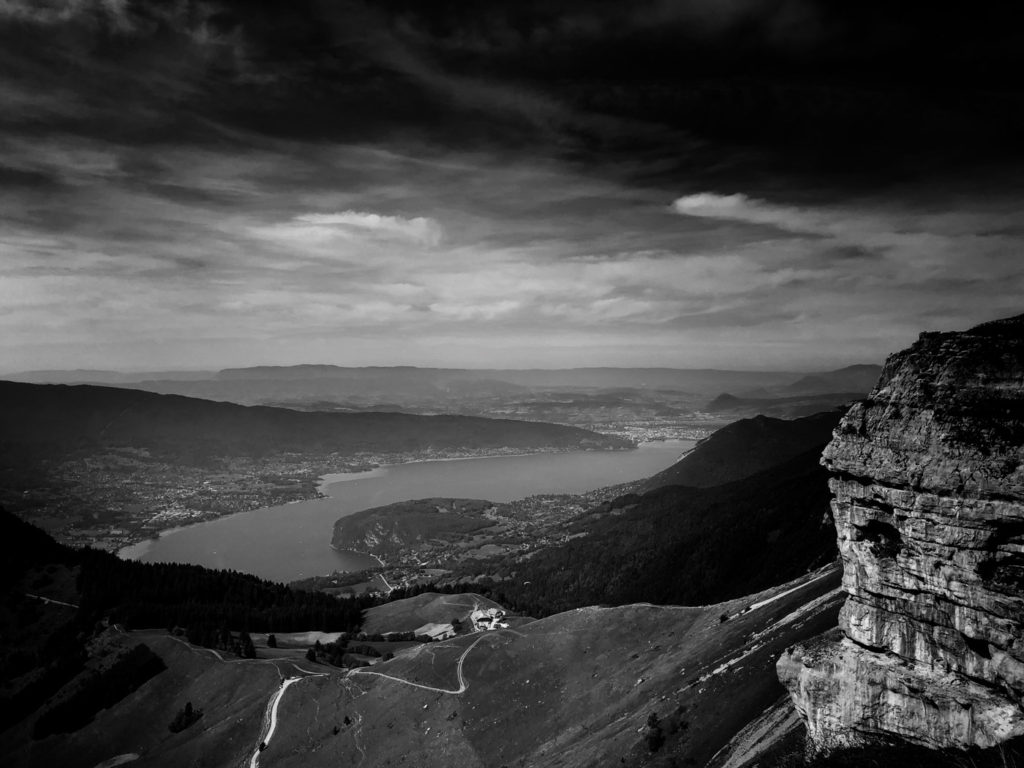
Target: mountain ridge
column 745, row 447
column 67, row 415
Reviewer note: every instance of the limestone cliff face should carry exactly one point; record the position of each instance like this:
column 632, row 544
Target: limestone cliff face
column 928, row 486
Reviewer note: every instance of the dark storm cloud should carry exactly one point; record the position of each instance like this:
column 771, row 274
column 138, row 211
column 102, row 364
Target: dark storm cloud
column 665, row 89
column 813, row 85
column 717, row 182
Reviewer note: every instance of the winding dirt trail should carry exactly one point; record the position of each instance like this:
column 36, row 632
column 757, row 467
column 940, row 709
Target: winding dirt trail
column 272, row 706
column 463, row 685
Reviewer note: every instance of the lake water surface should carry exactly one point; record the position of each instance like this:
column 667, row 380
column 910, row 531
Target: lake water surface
column 292, row 541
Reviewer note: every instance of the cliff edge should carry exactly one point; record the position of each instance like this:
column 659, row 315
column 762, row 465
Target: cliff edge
column 928, row 501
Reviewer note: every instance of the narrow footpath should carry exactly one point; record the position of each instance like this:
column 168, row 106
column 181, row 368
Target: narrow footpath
column 272, row 706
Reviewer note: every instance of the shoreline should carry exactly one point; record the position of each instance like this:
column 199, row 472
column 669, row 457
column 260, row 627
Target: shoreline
column 342, row 477
column 137, row 549
column 358, row 552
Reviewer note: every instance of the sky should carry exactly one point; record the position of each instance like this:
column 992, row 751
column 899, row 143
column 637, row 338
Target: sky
column 741, row 184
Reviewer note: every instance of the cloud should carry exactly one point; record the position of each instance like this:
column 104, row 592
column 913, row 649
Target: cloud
column 121, row 16
column 61, row 11
column 739, row 207
column 290, row 251
column 419, row 229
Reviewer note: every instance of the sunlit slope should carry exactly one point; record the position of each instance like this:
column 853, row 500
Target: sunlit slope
column 573, row 689
column 413, row 612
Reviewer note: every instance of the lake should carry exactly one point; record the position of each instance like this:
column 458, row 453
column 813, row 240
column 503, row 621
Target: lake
column 293, row 541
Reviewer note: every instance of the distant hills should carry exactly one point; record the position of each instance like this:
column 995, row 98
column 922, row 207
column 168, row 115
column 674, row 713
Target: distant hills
column 304, row 384
column 91, row 376
column 62, row 418
column 853, row 378
column 790, row 407
column 804, row 397
column 696, row 379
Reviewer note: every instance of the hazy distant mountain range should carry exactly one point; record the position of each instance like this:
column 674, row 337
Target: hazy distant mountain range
column 596, row 398
column 305, row 382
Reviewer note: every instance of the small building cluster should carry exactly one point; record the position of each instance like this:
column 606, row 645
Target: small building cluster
column 488, row 618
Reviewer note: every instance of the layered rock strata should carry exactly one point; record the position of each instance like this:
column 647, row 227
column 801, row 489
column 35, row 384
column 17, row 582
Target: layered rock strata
column 928, row 486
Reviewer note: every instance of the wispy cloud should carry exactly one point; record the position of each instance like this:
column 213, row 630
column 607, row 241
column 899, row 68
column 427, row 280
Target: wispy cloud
column 739, row 207
column 437, row 258
column 418, row 228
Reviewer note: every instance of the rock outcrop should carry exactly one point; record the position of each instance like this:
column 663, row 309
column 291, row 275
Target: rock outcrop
column 928, row 486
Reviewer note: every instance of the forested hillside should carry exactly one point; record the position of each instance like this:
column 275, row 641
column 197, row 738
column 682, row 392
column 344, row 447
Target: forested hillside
column 746, row 447
column 683, row 546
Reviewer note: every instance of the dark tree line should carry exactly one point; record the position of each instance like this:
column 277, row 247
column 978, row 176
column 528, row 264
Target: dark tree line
column 98, row 691
column 170, row 594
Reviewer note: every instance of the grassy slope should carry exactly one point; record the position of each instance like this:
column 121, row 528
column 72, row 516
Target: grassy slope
column 411, row 613
column 573, row 689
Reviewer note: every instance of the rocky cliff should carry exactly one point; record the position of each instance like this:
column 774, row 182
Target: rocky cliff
column 928, row 501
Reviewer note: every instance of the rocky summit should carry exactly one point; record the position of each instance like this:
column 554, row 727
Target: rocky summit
column 928, row 500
